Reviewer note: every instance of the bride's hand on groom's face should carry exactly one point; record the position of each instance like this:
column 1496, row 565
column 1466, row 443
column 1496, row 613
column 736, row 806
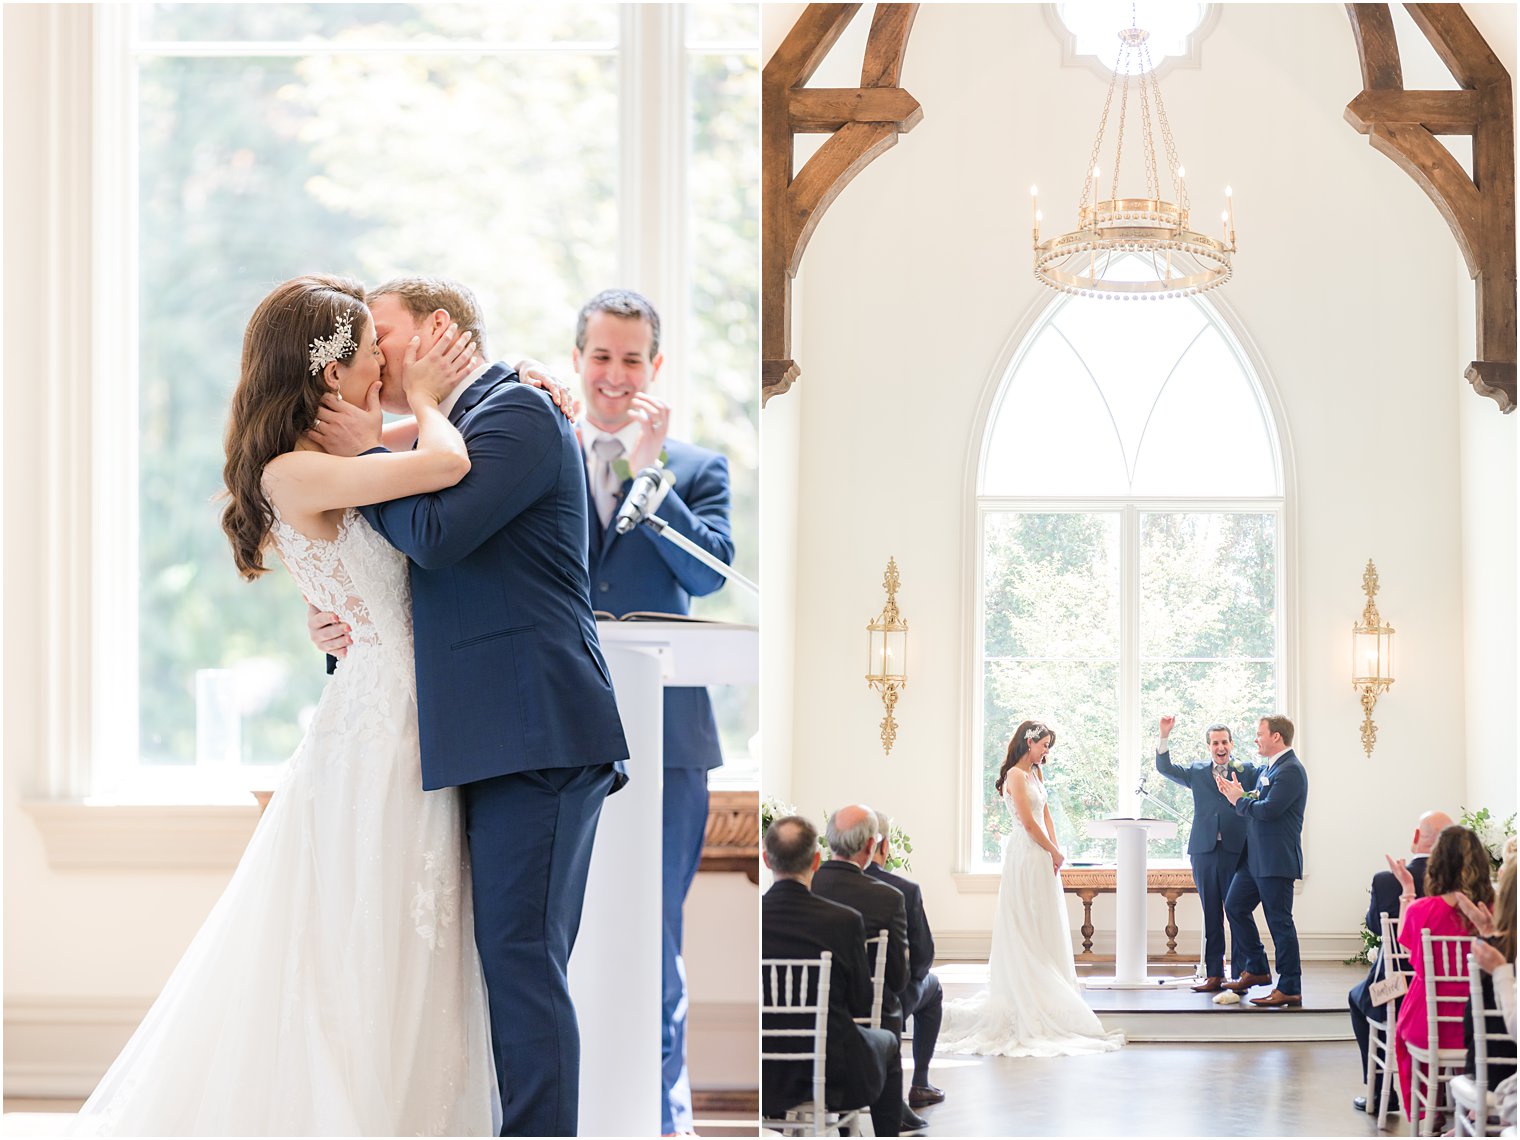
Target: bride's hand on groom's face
column 348, row 429
column 433, row 374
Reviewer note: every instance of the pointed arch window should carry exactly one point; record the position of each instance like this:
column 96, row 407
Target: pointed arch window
column 1129, row 535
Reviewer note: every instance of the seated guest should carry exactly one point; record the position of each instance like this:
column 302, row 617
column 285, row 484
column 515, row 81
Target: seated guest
column 1496, row 957
column 1217, row 841
column 1385, row 900
column 1458, row 866
column 842, row 878
column 922, row 998
column 795, row 923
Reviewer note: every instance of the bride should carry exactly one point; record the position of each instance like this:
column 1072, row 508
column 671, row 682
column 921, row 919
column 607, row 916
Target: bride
column 1031, row 1006
column 335, row 988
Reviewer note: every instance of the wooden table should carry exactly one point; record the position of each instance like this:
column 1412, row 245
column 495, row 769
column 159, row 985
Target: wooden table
column 1087, row 883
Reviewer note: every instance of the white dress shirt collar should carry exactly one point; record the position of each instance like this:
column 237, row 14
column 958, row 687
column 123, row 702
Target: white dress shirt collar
column 446, row 406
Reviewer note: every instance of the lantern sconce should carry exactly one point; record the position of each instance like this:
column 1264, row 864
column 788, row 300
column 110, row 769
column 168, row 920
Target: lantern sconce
column 1371, row 657
column 887, row 662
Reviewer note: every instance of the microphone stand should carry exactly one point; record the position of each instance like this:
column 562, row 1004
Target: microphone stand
column 670, row 534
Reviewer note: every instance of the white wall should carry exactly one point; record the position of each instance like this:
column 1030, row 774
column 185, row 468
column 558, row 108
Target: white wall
column 85, row 951
column 919, row 276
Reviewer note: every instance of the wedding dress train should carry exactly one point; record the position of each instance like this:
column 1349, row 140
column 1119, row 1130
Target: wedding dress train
column 1031, row 1006
column 335, row 988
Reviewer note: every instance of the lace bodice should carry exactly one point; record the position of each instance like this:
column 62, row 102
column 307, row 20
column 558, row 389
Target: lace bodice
column 1037, row 800
column 358, row 576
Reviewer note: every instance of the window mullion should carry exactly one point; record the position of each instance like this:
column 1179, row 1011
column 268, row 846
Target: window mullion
column 653, row 146
column 115, row 654
column 1129, row 659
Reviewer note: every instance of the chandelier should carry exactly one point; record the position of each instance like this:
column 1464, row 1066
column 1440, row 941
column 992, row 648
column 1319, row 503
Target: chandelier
column 1099, row 257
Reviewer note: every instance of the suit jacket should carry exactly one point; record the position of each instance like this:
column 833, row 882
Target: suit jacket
column 1386, row 897
column 795, row 923
column 883, row 908
column 1275, row 821
column 920, row 937
column 642, row 571
column 1212, row 813
column 510, row 675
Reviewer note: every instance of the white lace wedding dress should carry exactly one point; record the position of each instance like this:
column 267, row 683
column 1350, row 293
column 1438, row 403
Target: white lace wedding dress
column 335, row 988
column 1032, row 1006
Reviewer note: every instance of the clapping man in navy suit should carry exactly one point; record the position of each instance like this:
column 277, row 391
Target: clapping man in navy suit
column 1216, row 842
column 1384, row 898
column 922, row 998
column 514, row 700
column 626, row 429
column 1274, row 815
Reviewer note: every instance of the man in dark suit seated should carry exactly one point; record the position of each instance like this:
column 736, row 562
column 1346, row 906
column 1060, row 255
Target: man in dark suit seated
column 852, row 841
column 1385, row 893
column 922, row 998
column 795, row 923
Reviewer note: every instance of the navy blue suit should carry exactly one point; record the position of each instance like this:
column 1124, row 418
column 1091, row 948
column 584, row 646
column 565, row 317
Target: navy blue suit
column 640, row 571
column 922, row 998
column 1274, row 858
column 515, row 707
column 1215, row 845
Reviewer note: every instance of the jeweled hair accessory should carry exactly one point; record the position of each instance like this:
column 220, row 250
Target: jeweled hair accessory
column 1034, row 733
column 340, row 346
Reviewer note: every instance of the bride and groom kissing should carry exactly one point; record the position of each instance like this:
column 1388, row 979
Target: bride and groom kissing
column 447, row 792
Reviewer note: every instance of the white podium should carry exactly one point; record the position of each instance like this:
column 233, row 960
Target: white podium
column 1130, row 890
column 615, row 968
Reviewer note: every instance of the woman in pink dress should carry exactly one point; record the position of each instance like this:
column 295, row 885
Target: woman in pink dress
column 1458, row 866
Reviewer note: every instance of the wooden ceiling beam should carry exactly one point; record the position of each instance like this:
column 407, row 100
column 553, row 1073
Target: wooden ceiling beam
column 1439, row 112
column 861, row 122
column 1480, row 210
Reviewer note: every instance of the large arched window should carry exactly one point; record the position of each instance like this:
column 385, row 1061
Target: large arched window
column 1130, row 542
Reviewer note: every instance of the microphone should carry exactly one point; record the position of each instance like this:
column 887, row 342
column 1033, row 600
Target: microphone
column 644, row 497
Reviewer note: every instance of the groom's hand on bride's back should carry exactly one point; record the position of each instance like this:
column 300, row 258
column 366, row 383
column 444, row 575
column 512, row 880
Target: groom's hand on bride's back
column 348, row 429
column 328, row 632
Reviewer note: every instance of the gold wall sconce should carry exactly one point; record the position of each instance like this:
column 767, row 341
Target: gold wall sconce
column 1371, row 657
column 887, row 660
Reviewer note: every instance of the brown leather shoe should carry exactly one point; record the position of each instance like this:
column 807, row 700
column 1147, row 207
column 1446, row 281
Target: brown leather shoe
column 1241, row 984
column 1278, row 1000
column 1209, row 986
column 921, row 1096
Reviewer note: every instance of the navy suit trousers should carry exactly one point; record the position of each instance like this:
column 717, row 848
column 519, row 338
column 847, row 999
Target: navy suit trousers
column 1274, row 894
column 530, row 839
column 685, row 830
column 924, row 1002
column 1213, row 871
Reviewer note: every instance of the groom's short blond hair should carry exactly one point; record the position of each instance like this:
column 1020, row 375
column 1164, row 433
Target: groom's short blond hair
column 424, row 295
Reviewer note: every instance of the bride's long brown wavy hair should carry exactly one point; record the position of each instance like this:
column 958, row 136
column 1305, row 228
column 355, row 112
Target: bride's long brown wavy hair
column 277, row 398
column 1018, row 747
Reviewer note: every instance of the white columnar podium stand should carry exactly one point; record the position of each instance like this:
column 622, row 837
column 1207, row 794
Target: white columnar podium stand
column 1130, row 890
column 615, row 969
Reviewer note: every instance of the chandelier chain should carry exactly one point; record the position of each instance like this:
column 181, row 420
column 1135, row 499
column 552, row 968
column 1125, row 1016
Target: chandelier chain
column 1171, row 148
column 1152, row 183
column 1092, row 159
column 1123, row 116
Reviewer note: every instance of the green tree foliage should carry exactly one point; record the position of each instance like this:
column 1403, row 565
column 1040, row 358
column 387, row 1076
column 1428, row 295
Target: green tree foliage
column 1207, row 626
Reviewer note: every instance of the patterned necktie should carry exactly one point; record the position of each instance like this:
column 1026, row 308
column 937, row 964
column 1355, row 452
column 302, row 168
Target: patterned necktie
column 608, row 487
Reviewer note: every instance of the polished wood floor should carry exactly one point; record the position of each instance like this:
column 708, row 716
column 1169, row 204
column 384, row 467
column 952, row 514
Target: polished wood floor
column 1218, row 1089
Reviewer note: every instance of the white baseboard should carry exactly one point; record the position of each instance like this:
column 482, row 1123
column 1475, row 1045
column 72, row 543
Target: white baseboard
column 61, row 1047
column 1313, row 946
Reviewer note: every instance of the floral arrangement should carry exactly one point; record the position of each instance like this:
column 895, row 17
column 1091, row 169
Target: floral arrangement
column 899, row 842
column 1371, row 941
column 1495, row 835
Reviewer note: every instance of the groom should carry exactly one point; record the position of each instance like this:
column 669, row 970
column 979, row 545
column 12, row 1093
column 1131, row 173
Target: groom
column 1274, row 816
column 514, row 701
